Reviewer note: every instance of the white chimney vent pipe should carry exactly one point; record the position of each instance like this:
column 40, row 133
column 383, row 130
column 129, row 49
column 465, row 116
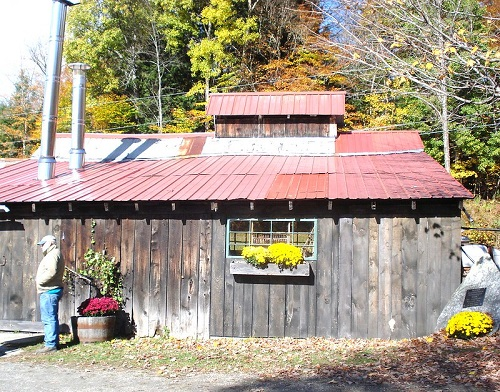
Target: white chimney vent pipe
column 77, row 152
column 47, row 161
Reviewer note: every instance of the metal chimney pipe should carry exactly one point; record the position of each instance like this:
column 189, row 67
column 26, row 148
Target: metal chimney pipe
column 46, row 162
column 77, row 152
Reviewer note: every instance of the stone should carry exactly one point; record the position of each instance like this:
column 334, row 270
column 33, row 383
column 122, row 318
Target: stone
column 479, row 291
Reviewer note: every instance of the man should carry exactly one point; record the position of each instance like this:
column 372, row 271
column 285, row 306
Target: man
column 50, row 287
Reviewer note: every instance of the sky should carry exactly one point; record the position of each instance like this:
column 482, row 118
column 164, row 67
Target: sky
column 23, row 23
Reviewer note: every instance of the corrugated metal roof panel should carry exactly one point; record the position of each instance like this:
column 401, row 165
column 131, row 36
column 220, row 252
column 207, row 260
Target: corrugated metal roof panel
column 387, row 176
column 378, row 142
column 326, row 103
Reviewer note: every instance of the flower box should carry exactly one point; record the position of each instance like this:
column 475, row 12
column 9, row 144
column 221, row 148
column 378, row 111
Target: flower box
column 243, row 268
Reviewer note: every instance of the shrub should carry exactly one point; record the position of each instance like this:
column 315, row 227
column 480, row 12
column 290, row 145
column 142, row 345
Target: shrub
column 469, row 325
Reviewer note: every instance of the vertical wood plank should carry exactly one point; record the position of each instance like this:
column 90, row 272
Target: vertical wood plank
column 31, row 261
column 157, row 298
column 396, row 282
column 112, row 236
column 260, row 306
column 422, row 276
column 7, row 283
column 189, row 278
column 16, row 285
column 455, row 254
column 277, row 312
column 174, row 277
column 205, row 273
column 409, row 277
column 218, row 304
column 385, row 253
column 360, row 262
column 163, row 235
column 307, row 309
column 247, row 310
column 127, row 251
column 142, row 270
column 82, row 243
column 325, row 273
column 5, row 257
column 433, row 273
column 345, row 278
column 67, row 307
column 293, row 310
column 373, row 278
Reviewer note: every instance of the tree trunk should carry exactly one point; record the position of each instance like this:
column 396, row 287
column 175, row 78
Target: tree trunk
column 446, row 131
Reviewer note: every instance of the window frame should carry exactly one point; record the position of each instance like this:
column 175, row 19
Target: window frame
column 251, row 233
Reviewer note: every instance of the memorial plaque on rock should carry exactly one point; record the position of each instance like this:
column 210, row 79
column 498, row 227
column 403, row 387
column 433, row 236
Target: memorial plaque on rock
column 474, row 297
column 479, row 291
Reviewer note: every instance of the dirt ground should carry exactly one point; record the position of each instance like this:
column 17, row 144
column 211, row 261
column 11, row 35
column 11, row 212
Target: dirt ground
column 25, row 377
column 18, row 376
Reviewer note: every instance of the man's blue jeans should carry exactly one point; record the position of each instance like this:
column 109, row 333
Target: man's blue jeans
column 49, row 312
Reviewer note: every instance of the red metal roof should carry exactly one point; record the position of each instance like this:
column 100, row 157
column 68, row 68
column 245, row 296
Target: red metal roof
column 386, row 176
column 378, row 142
column 328, row 103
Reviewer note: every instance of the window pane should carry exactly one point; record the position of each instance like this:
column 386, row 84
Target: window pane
column 239, row 236
column 261, row 226
column 243, row 233
column 239, row 225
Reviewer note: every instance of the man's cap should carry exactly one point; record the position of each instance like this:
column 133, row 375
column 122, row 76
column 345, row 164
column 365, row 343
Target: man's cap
column 47, row 238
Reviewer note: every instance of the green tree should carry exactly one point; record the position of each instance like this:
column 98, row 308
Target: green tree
column 21, row 117
column 216, row 53
column 440, row 51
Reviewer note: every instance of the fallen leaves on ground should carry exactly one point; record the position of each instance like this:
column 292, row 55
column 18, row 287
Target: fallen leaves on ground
column 433, row 361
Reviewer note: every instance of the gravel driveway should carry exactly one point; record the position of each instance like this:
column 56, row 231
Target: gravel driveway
column 18, row 376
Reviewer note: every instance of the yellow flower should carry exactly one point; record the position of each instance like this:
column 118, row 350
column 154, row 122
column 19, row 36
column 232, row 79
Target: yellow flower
column 469, row 324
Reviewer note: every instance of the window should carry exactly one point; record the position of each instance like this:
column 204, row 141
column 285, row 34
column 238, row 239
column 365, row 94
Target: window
column 264, row 232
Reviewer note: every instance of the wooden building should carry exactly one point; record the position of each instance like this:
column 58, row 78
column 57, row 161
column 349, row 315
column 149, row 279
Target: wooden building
column 378, row 218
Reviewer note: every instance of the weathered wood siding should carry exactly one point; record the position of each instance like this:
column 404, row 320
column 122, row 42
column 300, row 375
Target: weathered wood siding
column 274, row 126
column 371, row 272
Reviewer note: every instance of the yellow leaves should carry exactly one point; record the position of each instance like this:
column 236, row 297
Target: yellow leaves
column 395, row 45
column 470, row 63
column 429, row 66
column 437, row 52
column 355, row 56
column 450, row 49
column 474, row 49
column 429, row 339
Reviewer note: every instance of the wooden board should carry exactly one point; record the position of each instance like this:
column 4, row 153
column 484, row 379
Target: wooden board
column 360, row 252
column 409, row 278
column 174, row 244
column 217, row 281
column 345, row 310
column 243, row 268
column 142, row 271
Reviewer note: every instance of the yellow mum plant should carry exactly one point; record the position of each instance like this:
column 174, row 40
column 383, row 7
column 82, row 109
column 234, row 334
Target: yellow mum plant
column 469, row 325
column 284, row 255
column 258, row 256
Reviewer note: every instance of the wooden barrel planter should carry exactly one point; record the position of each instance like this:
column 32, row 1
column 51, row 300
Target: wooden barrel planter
column 95, row 329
